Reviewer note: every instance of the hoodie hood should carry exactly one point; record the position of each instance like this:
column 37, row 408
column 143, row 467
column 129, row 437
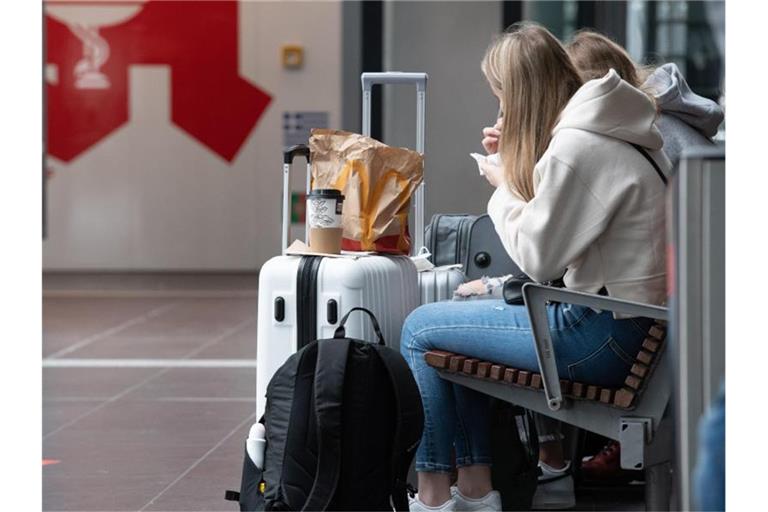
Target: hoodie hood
column 674, row 97
column 611, row 107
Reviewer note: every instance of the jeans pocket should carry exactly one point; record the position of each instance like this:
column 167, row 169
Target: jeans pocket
column 607, row 365
column 575, row 315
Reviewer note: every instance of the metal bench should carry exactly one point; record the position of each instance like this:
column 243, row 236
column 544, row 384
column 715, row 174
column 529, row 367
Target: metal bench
column 635, row 415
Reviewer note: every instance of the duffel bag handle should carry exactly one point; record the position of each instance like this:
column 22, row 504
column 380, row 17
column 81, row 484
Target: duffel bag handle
column 342, row 333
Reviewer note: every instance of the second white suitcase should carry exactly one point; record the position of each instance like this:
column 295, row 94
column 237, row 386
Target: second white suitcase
column 439, row 283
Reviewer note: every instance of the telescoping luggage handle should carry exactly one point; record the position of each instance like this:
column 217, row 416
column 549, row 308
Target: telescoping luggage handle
column 342, row 333
column 420, row 81
column 288, row 155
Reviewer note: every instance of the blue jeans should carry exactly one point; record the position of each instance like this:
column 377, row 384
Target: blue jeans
column 590, row 347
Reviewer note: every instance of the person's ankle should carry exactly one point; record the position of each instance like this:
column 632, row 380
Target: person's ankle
column 552, row 469
column 474, row 491
column 434, row 497
column 551, row 454
column 434, row 488
column 554, row 463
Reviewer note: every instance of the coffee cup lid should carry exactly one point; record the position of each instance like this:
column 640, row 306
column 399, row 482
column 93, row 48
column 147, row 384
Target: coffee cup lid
column 331, row 193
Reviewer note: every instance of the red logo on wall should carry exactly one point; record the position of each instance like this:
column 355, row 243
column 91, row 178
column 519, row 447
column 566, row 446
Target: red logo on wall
column 88, row 99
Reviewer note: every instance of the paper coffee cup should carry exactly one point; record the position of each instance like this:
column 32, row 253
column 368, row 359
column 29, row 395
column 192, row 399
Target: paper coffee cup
column 324, row 208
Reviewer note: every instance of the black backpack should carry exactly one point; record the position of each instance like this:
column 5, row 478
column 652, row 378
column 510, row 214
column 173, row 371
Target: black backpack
column 515, row 450
column 343, row 420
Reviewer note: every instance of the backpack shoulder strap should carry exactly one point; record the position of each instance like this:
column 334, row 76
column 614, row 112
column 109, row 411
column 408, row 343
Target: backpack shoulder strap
column 329, row 391
column 648, row 157
column 410, row 421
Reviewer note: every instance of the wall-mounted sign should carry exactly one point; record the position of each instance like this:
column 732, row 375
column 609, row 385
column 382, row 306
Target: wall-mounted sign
column 90, row 47
column 297, row 126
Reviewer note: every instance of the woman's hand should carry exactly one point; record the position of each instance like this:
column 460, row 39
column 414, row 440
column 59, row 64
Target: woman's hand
column 491, row 136
column 493, row 173
column 476, row 287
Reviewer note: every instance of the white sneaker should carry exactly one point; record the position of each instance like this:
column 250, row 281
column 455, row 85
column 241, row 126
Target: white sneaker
column 555, row 489
column 491, row 501
column 415, row 505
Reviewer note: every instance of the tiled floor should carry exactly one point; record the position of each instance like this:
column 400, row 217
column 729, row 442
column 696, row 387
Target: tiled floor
column 154, row 437
column 159, row 435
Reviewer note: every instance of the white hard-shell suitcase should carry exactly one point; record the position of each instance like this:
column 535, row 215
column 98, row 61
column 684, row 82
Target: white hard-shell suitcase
column 439, row 283
column 302, row 298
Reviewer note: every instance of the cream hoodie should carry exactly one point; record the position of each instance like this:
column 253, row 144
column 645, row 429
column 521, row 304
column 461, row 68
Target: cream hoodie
column 599, row 208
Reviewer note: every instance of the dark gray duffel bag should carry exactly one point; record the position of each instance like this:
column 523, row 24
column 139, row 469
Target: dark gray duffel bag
column 470, row 240
column 446, row 237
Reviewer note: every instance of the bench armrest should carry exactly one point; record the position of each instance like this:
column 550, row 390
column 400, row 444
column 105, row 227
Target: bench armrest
column 537, row 296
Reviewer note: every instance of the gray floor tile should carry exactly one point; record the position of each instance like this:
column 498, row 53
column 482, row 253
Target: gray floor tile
column 196, row 317
column 147, row 346
column 217, row 383
column 129, row 451
column 90, row 382
column 68, row 321
column 59, row 413
column 202, row 489
column 239, row 345
column 190, row 324
column 149, row 281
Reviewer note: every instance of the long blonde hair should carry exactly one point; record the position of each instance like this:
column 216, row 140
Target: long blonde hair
column 531, row 73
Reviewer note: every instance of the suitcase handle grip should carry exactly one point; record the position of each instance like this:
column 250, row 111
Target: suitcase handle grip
column 342, row 333
column 290, row 153
column 394, row 77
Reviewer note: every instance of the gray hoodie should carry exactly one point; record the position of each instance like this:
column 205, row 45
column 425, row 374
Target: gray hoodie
column 685, row 118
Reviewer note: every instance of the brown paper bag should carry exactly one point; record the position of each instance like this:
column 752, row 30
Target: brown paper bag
column 377, row 181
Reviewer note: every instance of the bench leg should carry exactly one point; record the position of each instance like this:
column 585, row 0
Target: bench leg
column 658, row 486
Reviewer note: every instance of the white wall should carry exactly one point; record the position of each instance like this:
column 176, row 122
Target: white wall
column 447, row 40
column 148, row 197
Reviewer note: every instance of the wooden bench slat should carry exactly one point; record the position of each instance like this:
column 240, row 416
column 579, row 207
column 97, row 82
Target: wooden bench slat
column 645, row 357
column 456, row 362
column 497, row 371
column 536, row 381
column 657, row 331
column 639, row 369
column 565, row 386
column 651, row 345
column 593, row 392
column 624, row 398
column 438, row 358
column 606, row 396
column 634, row 382
column 470, row 366
column 523, row 377
column 578, row 389
column 483, row 369
column 510, row 375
